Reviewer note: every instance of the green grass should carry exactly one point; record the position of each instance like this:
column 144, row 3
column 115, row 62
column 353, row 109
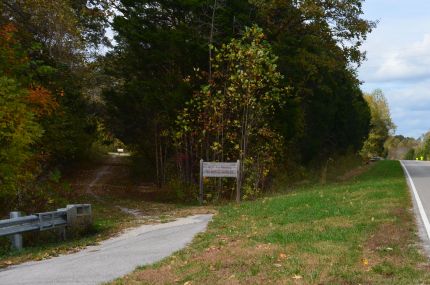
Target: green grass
column 357, row 232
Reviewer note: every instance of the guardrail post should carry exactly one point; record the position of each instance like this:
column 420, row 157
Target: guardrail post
column 16, row 239
column 79, row 217
column 72, row 216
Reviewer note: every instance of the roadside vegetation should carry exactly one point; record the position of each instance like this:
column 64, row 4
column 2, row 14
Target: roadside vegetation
column 357, row 232
column 183, row 80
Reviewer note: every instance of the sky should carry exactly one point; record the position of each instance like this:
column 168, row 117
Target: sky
column 398, row 61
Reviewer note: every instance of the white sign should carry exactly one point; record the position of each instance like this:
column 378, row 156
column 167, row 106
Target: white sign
column 220, row 169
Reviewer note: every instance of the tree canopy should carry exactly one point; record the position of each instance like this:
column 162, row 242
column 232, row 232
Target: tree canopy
column 45, row 117
column 272, row 83
column 165, row 53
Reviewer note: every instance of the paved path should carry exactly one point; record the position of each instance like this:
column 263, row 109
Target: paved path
column 418, row 175
column 111, row 259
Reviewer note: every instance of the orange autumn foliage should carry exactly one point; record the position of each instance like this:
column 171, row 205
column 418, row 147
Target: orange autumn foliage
column 12, row 58
column 10, row 55
column 6, row 32
column 42, row 101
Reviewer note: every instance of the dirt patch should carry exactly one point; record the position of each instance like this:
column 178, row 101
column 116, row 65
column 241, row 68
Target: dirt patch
column 392, row 233
column 390, row 241
column 386, row 236
column 224, row 263
column 228, row 253
column 354, row 173
column 235, row 258
column 230, row 262
column 163, row 275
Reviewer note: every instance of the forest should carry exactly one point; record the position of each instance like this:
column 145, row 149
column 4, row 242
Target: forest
column 272, row 83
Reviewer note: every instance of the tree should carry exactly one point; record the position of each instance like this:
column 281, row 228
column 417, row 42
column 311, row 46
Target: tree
column 66, row 29
column 230, row 117
column 318, row 44
column 381, row 124
column 18, row 133
column 55, row 38
column 160, row 43
column 44, row 46
column 328, row 21
column 423, row 149
column 410, row 154
column 426, row 148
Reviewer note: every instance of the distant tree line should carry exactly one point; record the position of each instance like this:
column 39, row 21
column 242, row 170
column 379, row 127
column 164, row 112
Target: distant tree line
column 417, row 149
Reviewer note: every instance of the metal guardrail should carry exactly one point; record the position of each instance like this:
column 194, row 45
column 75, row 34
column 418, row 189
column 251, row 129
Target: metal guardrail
column 71, row 216
column 19, row 225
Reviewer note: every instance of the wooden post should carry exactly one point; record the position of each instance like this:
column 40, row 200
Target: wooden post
column 201, row 182
column 238, row 182
column 17, row 238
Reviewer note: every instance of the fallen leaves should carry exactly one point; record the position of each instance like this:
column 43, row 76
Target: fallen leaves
column 282, row 256
column 213, row 249
column 365, row 261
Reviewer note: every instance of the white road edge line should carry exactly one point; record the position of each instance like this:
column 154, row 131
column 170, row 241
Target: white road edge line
column 417, row 198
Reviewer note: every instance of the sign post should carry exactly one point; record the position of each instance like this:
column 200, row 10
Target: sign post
column 238, row 182
column 201, row 182
column 220, row 169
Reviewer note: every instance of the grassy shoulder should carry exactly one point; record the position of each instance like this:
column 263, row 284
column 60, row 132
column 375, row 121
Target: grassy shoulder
column 357, row 232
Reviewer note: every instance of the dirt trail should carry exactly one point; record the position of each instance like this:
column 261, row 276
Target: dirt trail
column 107, row 175
column 100, row 173
column 110, row 184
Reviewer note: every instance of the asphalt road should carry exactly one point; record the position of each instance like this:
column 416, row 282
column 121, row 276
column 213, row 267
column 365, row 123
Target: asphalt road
column 111, row 259
column 418, row 176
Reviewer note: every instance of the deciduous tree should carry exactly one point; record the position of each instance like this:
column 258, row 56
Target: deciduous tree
column 230, row 118
column 381, row 124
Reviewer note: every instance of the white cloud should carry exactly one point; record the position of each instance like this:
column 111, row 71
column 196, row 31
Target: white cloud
column 398, row 52
column 412, row 63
